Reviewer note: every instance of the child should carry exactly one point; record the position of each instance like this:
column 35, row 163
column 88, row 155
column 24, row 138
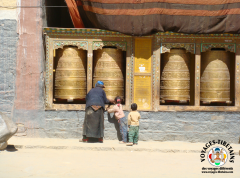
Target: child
column 133, row 122
column 119, row 115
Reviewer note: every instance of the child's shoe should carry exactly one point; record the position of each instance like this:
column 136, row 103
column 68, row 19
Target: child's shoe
column 121, row 142
column 129, row 144
column 135, row 144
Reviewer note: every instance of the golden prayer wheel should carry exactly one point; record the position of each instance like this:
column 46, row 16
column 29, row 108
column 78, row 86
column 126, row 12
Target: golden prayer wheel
column 108, row 67
column 175, row 78
column 70, row 78
column 215, row 77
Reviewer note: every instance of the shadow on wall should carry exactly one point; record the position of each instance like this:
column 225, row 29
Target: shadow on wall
column 115, row 122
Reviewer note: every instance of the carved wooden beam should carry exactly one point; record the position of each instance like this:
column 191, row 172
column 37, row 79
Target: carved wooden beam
column 228, row 46
column 190, row 47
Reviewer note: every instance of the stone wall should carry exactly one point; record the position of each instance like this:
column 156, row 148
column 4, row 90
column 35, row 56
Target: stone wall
column 8, row 44
column 156, row 126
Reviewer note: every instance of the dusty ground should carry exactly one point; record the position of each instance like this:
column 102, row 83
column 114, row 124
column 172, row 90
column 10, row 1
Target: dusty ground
column 103, row 164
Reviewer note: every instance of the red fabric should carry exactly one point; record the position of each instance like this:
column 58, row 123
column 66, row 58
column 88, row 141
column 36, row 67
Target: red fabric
column 197, row 2
column 178, row 12
column 118, row 100
column 144, row 17
column 95, row 108
column 79, row 3
column 74, row 13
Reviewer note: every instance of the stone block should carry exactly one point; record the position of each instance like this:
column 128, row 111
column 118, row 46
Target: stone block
column 145, row 136
column 144, row 126
column 157, row 136
column 144, row 115
column 1, row 87
column 51, row 114
column 155, row 125
column 220, row 118
column 7, row 129
column 67, row 114
column 81, row 114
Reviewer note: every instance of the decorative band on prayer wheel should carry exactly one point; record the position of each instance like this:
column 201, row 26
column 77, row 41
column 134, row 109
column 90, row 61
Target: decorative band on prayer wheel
column 70, row 79
column 215, row 77
column 108, row 67
column 175, row 78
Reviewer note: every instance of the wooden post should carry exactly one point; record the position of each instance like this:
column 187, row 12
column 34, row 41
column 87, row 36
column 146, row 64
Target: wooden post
column 237, row 77
column 197, row 74
column 128, row 75
column 89, row 66
column 156, row 97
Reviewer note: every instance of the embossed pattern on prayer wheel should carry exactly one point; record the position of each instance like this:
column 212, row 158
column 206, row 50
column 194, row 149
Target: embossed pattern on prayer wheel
column 175, row 78
column 215, row 77
column 108, row 67
column 70, row 80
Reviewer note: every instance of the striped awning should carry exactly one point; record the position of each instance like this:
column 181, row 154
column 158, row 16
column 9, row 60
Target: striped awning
column 143, row 17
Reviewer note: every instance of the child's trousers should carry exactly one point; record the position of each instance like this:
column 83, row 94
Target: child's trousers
column 123, row 128
column 133, row 134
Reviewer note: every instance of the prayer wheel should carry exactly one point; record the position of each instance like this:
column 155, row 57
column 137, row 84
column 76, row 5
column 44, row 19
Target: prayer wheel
column 175, row 78
column 108, row 67
column 70, row 78
column 215, row 77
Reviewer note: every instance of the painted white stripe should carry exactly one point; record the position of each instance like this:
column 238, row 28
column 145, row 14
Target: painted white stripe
column 8, row 14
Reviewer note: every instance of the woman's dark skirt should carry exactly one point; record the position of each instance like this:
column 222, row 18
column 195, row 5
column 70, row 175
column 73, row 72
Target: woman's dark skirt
column 93, row 123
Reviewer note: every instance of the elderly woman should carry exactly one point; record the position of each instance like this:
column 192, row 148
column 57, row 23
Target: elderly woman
column 93, row 126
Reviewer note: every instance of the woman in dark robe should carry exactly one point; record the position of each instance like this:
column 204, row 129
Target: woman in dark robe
column 93, row 126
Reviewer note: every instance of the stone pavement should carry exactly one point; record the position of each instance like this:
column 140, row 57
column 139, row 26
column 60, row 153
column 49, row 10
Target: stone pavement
column 64, row 158
column 110, row 145
column 65, row 163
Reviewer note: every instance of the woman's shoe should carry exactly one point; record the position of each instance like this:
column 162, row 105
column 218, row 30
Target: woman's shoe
column 83, row 140
column 100, row 140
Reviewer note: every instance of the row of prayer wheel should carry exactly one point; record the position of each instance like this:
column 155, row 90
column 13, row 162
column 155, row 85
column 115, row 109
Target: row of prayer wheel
column 214, row 82
column 71, row 67
column 70, row 78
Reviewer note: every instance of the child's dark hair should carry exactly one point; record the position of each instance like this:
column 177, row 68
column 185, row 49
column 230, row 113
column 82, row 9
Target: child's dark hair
column 117, row 100
column 134, row 106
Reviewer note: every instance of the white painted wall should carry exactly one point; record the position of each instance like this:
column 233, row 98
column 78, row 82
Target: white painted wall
column 8, row 9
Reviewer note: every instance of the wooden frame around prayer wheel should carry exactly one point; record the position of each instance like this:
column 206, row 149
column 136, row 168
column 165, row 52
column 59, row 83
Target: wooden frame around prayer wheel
column 87, row 43
column 94, row 39
column 217, row 79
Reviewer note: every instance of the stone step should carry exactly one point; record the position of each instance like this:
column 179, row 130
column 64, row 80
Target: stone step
column 111, row 145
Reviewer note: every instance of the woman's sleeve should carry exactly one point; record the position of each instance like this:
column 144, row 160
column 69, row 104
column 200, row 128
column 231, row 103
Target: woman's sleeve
column 87, row 97
column 105, row 98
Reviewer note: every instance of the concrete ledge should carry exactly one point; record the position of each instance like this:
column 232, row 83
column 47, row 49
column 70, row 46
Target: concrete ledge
column 110, row 145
